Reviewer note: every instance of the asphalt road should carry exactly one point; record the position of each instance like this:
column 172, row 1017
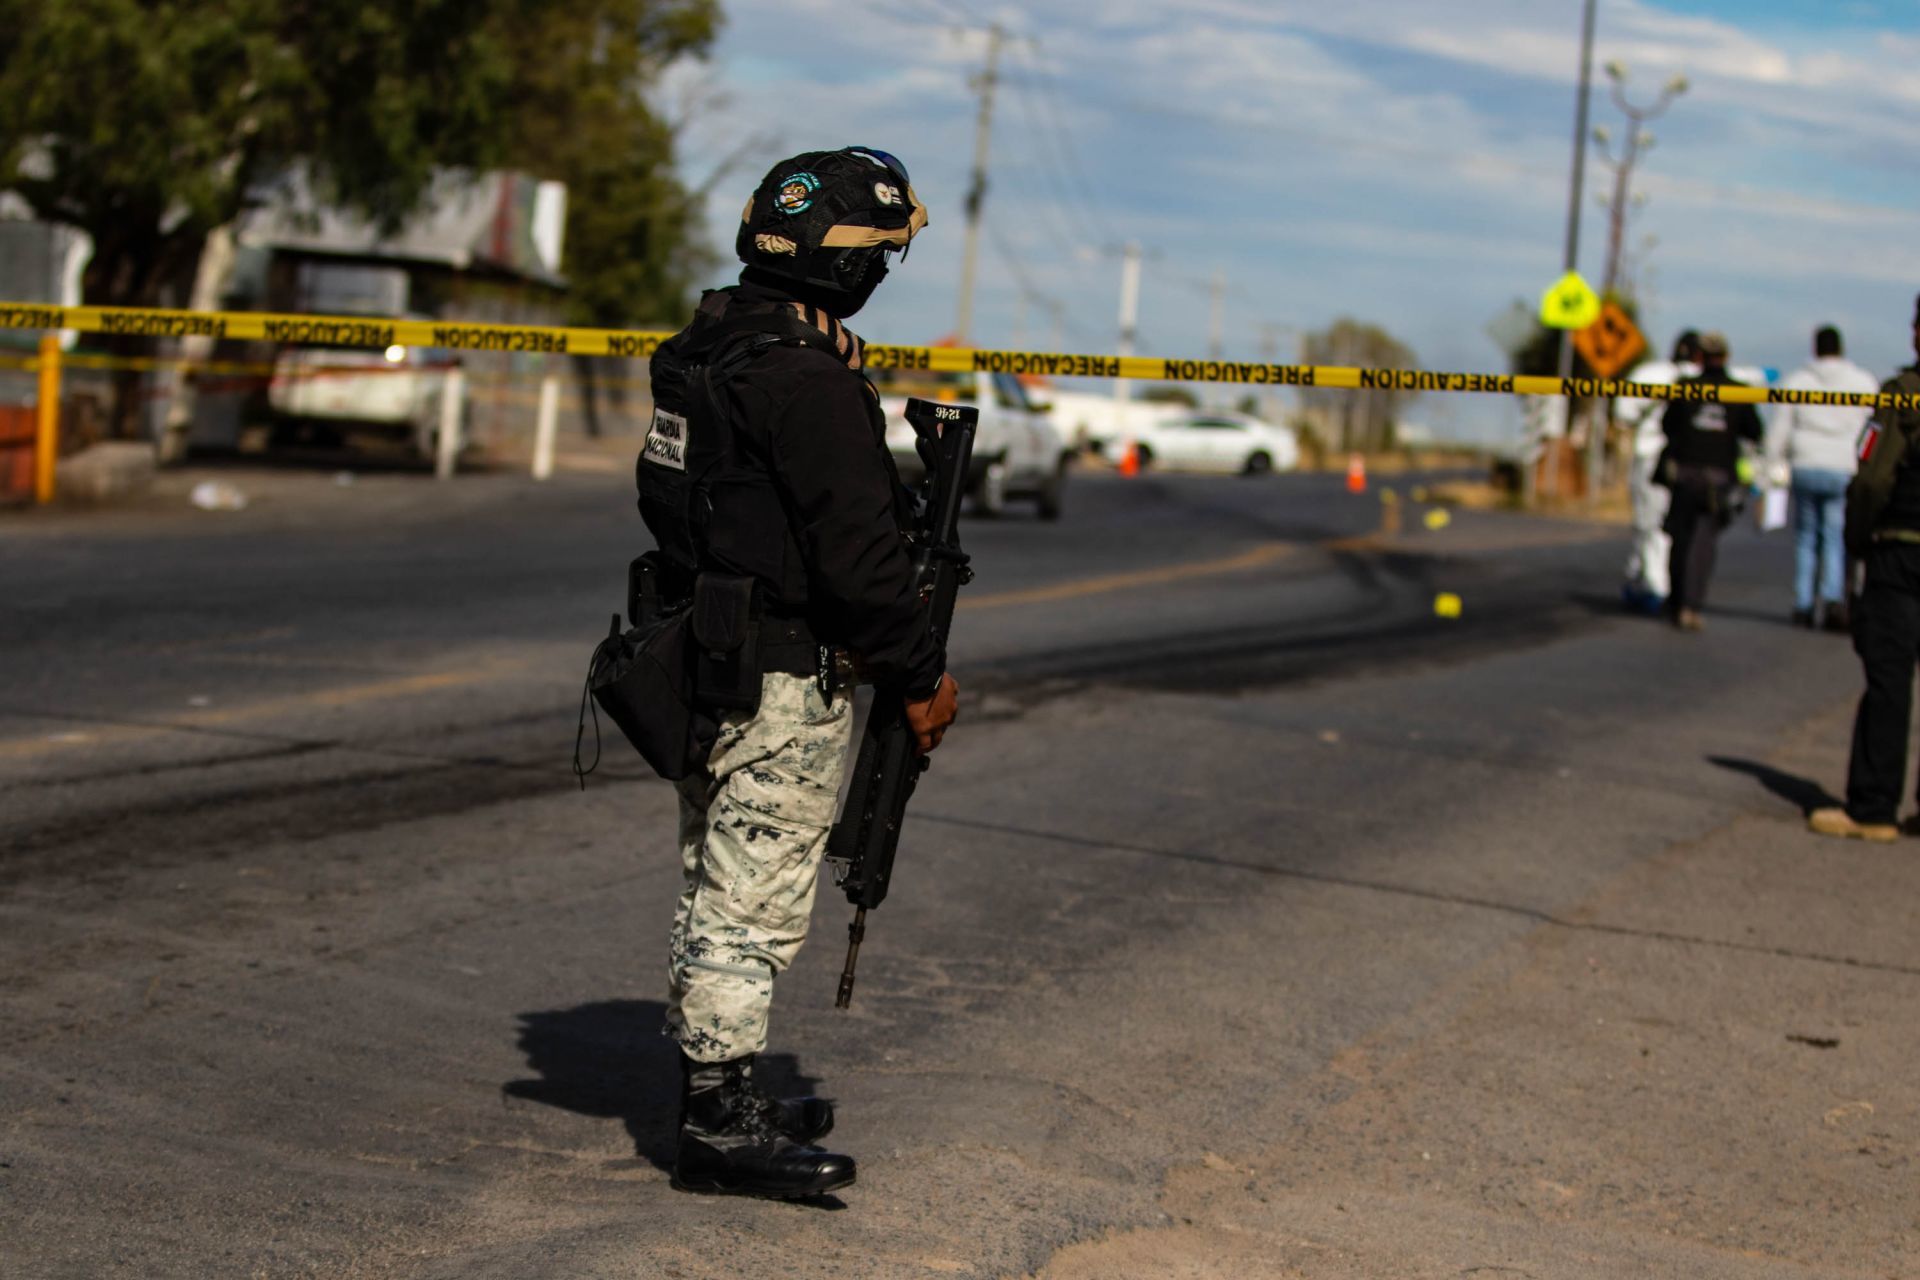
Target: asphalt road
column 1254, row 922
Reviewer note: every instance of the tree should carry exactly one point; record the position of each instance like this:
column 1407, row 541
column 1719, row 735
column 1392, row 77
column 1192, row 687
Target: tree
column 581, row 115
column 1364, row 419
column 634, row 245
column 148, row 124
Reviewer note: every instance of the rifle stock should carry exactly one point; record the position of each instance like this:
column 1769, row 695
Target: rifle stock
column 863, row 842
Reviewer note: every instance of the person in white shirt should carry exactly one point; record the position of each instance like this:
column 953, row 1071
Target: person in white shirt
column 1820, row 443
column 1647, row 579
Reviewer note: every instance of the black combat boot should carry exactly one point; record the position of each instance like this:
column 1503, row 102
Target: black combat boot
column 731, row 1142
column 805, row 1120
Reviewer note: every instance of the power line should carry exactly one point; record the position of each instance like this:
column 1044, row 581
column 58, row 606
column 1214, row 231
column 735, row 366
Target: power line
column 927, row 14
column 1050, row 100
column 1062, row 221
column 1023, row 281
column 954, row 11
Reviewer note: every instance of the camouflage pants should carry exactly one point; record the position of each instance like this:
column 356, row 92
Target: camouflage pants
column 753, row 826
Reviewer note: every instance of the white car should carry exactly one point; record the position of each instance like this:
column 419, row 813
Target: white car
column 1230, row 443
column 395, row 392
column 1017, row 451
column 1095, row 420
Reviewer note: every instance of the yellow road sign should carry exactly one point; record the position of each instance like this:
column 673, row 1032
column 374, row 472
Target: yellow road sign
column 1570, row 304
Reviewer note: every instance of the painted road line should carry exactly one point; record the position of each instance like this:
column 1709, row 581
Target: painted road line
column 1079, row 588
column 241, row 713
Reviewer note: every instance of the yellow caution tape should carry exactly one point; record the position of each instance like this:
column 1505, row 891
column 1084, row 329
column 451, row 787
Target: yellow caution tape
column 264, row 371
column 361, row 331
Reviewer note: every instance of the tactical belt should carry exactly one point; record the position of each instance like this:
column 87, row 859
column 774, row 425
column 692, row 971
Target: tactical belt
column 787, row 645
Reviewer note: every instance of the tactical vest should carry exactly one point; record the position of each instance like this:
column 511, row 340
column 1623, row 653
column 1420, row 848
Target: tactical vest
column 1903, row 506
column 708, row 500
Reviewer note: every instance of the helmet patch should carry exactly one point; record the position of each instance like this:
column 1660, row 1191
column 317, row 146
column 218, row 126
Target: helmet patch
column 776, row 245
column 886, row 193
column 796, row 193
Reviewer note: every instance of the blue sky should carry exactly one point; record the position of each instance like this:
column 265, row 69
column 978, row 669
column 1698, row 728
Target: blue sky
column 1402, row 161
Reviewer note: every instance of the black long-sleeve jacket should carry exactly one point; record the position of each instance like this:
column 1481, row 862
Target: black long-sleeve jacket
column 816, row 427
column 1707, row 434
column 1883, row 499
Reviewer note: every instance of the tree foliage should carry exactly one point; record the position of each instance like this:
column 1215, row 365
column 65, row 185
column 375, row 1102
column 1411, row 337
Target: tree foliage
column 1363, row 419
column 581, row 114
column 148, row 123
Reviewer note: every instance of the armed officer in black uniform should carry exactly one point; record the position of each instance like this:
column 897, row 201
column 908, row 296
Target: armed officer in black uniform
column 1701, row 467
column 766, row 481
column 1883, row 529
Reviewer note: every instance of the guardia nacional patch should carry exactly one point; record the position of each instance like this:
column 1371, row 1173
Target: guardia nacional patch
column 666, row 444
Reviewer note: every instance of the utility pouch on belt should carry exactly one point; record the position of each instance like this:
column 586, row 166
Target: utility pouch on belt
column 726, row 633
column 643, row 680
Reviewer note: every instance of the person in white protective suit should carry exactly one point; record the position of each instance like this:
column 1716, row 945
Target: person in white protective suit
column 1646, row 586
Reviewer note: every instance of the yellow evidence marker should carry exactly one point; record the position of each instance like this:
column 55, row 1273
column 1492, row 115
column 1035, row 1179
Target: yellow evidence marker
column 1446, row 605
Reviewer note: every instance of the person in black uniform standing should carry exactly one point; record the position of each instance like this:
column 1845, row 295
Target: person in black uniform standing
column 766, row 481
column 1701, row 468
column 1883, row 529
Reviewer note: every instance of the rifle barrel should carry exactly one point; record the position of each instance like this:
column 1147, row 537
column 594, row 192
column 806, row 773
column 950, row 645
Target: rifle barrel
column 856, row 933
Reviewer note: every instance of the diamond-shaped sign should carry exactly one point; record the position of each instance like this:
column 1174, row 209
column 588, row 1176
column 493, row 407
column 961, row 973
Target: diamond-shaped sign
column 1570, row 304
column 1611, row 343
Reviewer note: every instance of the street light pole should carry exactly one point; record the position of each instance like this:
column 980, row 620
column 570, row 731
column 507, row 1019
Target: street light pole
column 1632, row 147
column 1570, row 259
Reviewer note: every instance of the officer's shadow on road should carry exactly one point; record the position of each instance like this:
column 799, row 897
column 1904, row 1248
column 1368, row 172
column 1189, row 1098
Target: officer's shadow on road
column 608, row 1059
column 1807, row 794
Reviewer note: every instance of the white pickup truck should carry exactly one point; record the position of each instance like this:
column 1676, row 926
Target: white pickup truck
column 1017, row 451
column 335, row 392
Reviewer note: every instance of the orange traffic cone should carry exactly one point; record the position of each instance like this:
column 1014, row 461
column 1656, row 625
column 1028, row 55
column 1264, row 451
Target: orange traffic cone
column 1356, row 473
column 1130, row 460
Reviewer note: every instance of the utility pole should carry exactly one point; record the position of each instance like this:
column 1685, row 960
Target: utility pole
column 977, row 190
column 1570, row 259
column 1270, row 354
column 1217, row 316
column 1129, row 328
column 1217, row 327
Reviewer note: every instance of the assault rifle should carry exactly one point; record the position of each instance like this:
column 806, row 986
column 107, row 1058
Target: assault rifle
column 861, row 847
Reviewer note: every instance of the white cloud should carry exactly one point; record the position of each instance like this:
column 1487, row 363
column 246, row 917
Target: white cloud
column 1403, row 160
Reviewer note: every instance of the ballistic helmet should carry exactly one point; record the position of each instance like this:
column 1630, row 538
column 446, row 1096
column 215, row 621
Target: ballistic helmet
column 824, row 221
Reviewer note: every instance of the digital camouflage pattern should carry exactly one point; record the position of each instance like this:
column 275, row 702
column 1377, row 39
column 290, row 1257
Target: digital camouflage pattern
column 753, row 827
